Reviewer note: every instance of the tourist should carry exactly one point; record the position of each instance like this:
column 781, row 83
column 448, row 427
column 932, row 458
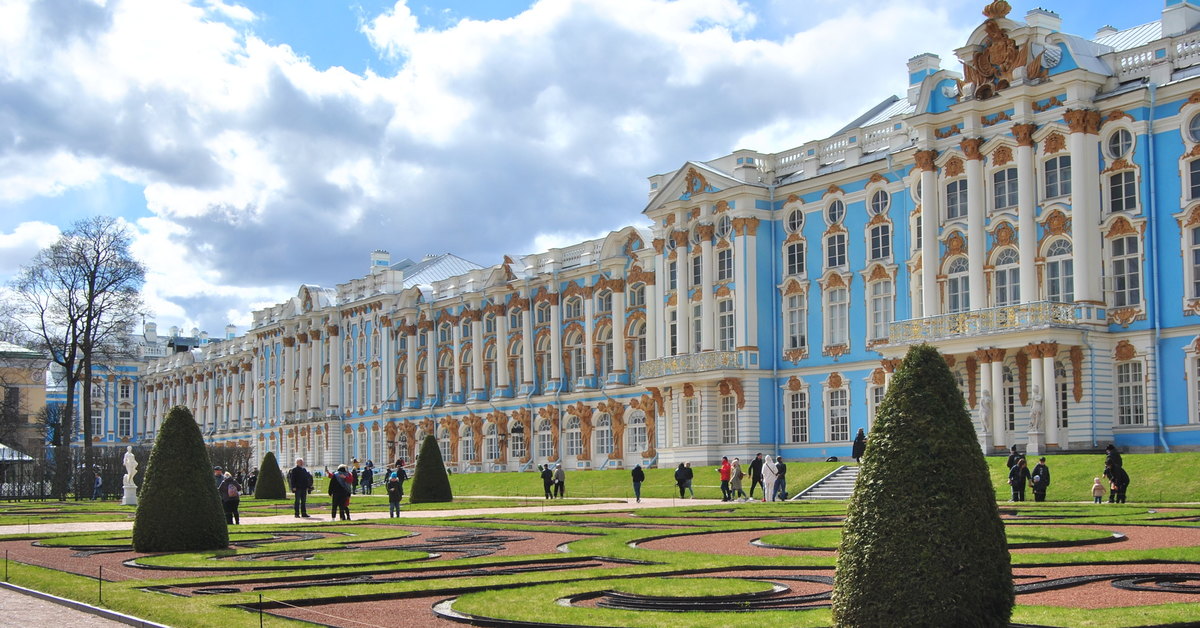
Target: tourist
column 639, row 476
column 340, row 489
column 367, row 477
column 547, row 479
column 218, row 475
column 252, row 482
column 769, row 475
column 560, row 481
column 756, row 473
column 1014, row 457
column 1018, row 478
column 689, row 476
column 1097, row 490
column 395, row 491
column 1041, row 471
column 735, row 482
column 97, row 484
column 860, row 445
column 1112, row 456
column 780, row 480
column 1118, row 482
column 725, row 472
column 354, row 481
column 301, row 483
column 681, row 479
column 230, row 492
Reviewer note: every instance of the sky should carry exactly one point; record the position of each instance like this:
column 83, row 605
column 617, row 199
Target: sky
column 252, row 147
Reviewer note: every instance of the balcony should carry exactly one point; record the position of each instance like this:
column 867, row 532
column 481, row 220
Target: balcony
column 996, row 320
column 692, row 363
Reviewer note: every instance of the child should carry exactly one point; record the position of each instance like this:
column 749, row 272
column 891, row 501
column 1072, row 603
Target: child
column 1039, row 489
column 395, row 492
column 1097, row 490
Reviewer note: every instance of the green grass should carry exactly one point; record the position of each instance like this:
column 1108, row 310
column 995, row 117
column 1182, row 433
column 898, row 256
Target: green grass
column 829, row 538
column 1153, row 477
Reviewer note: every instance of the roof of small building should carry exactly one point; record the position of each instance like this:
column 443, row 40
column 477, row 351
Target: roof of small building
column 437, row 268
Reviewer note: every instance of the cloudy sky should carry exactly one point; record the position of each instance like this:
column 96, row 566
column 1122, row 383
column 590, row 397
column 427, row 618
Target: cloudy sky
column 254, row 146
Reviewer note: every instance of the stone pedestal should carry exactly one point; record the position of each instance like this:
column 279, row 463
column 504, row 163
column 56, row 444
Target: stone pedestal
column 130, row 497
column 1036, row 445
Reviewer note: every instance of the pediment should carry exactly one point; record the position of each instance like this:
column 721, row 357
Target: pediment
column 690, row 181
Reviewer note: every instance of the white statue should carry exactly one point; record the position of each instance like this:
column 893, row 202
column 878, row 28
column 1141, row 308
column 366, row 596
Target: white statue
column 985, row 411
column 1035, row 411
column 130, row 465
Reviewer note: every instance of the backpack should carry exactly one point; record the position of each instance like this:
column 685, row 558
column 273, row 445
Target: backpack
column 232, row 490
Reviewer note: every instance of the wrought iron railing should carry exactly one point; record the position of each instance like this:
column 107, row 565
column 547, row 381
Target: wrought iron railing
column 981, row 322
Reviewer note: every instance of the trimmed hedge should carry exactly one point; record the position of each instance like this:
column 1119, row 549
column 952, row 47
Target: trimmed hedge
column 430, row 482
column 178, row 508
column 270, row 479
column 923, row 543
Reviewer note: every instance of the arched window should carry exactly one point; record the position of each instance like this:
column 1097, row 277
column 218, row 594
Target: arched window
column 604, row 437
column 637, row 346
column 635, row 432
column 604, row 302
column 604, row 343
column 576, row 362
column 489, row 324
column 491, row 443
column 958, row 296
column 543, row 313
column 468, row 444
column 1060, row 272
column 518, row 446
column 545, row 440
column 574, row 436
column 443, row 438
column 573, row 308
column 444, row 333
column 514, row 318
column 637, row 295
column 1007, row 278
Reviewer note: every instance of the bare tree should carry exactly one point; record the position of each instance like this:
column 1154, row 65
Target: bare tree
column 78, row 299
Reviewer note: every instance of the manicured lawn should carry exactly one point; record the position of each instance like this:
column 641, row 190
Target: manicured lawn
column 1153, row 477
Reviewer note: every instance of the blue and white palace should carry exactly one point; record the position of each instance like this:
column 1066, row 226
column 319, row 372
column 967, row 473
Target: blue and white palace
column 1034, row 212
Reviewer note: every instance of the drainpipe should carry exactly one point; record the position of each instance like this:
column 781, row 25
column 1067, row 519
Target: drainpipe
column 1152, row 214
column 776, row 308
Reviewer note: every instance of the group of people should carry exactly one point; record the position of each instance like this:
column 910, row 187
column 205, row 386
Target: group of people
column 770, row 474
column 342, row 485
column 1020, row 477
column 554, row 481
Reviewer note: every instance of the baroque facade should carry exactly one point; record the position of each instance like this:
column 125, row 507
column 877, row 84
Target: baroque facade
column 1036, row 216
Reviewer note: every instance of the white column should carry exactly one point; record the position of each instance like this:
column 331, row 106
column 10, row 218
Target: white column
column 976, row 209
column 656, row 318
column 1026, row 214
column 745, row 261
column 285, row 364
column 410, row 366
column 302, row 355
column 477, row 381
column 618, row 330
column 527, row 345
column 998, row 426
column 985, row 385
column 707, row 299
column 235, row 396
column 556, row 370
column 930, row 219
column 1050, row 398
column 431, row 360
column 387, row 364
column 336, row 362
column 456, row 340
column 211, row 411
column 589, row 343
column 1085, row 203
column 502, row 379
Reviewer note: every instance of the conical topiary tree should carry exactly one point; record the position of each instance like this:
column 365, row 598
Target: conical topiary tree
column 270, row 479
column 430, row 484
column 923, row 543
column 178, row 507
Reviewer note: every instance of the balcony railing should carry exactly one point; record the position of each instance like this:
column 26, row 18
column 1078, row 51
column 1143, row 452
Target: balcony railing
column 981, row 322
column 692, row 363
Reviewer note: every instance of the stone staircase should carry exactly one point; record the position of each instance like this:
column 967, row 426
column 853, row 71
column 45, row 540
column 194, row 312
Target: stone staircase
column 836, row 485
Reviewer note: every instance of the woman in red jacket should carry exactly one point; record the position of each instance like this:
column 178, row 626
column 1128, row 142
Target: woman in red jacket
column 726, row 471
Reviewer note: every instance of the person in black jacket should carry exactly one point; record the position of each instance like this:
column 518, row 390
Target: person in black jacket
column 301, row 483
column 860, row 445
column 1041, row 480
column 230, row 492
column 681, row 479
column 1112, row 456
column 1118, row 481
column 340, row 489
column 756, row 477
column 1018, row 479
column 547, row 479
column 1014, row 457
column 639, row 476
column 780, row 480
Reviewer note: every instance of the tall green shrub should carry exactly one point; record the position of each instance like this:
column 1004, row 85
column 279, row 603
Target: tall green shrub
column 923, row 543
column 178, row 507
column 430, row 484
column 270, row 479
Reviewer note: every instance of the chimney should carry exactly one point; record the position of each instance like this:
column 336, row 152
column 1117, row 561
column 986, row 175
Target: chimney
column 230, row 332
column 1105, row 31
column 1179, row 17
column 380, row 260
column 1041, row 18
column 150, row 331
column 920, row 67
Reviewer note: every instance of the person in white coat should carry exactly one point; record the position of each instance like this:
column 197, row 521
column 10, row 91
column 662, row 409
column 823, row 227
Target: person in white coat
column 769, row 474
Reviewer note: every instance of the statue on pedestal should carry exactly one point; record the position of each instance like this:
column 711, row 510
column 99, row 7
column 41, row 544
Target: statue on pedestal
column 1035, row 410
column 131, row 465
column 985, row 411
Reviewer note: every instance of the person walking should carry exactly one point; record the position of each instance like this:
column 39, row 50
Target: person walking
column 735, row 482
column 560, row 481
column 395, row 490
column 301, row 483
column 780, row 480
column 689, row 476
column 725, row 472
column 1018, row 479
column 252, row 481
column 756, row 473
column 367, row 477
column 98, row 484
column 860, row 445
column 681, row 479
column 547, row 479
column 230, row 492
column 768, row 481
column 341, row 485
column 638, row 477
column 1041, row 482
column 1097, row 491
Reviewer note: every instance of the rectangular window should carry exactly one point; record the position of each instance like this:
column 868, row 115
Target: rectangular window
column 1060, row 280
column 796, row 314
column 725, row 325
column 1008, row 286
column 673, row 332
column 1010, row 404
column 697, row 324
column 724, row 265
column 837, row 317
column 881, row 308
column 1004, row 188
column 672, row 275
column 97, row 416
column 1131, row 409
column 516, row 441
column 881, row 242
column 125, row 390
column 1058, row 176
column 728, row 420
column 1122, row 192
column 956, row 199
column 797, row 409
column 1195, row 258
column 835, row 250
column 1127, row 274
column 574, row 442
column 124, row 423
column 637, row 296
column 877, row 393
column 697, row 271
column 1194, row 179
column 691, row 420
column 839, row 415
column 794, row 258
column 917, row 234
